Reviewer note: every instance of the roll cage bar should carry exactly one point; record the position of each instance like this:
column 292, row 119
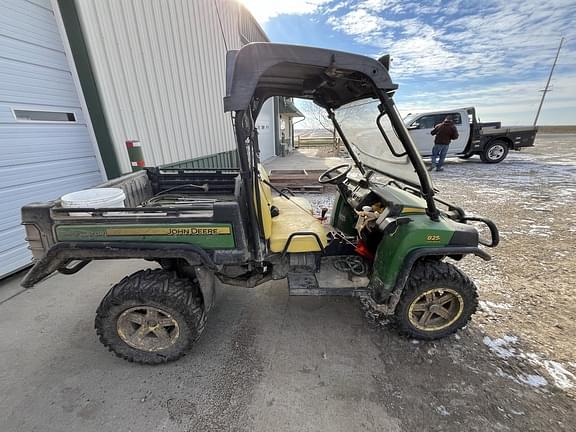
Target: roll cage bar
column 330, row 79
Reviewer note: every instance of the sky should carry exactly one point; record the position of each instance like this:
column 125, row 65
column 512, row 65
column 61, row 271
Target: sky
column 492, row 54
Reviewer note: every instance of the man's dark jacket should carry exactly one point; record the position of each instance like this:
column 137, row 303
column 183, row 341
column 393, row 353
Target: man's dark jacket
column 444, row 133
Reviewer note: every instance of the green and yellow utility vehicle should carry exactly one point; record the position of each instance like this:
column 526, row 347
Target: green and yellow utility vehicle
column 387, row 242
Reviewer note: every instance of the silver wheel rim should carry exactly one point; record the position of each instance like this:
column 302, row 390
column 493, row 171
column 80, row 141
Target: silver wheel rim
column 496, row 152
column 436, row 309
column 147, row 328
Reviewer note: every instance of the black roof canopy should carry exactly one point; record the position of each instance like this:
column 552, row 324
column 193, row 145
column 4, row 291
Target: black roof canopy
column 330, row 78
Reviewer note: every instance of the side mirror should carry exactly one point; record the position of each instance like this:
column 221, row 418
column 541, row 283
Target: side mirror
column 414, row 126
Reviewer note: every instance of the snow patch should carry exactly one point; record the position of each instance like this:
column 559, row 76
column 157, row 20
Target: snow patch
column 533, row 380
column 489, row 306
column 442, row 410
column 500, row 346
column 561, row 377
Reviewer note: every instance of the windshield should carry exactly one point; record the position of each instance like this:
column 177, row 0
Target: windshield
column 358, row 121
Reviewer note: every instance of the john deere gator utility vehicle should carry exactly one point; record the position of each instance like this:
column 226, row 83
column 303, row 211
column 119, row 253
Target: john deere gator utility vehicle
column 388, row 241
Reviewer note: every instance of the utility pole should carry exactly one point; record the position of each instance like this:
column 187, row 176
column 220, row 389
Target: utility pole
column 546, row 89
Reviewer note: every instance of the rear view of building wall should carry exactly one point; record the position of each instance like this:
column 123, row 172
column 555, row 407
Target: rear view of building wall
column 160, row 71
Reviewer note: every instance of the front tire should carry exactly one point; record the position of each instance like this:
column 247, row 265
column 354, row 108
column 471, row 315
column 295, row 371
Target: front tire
column 151, row 317
column 494, row 152
column 438, row 300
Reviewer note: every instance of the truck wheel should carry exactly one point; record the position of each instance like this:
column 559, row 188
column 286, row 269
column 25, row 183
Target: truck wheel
column 494, row 152
column 151, row 317
column 438, row 300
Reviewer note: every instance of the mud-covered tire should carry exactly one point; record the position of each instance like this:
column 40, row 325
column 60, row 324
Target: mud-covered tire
column 437, row 279
column 174, row 297
column 495, row 152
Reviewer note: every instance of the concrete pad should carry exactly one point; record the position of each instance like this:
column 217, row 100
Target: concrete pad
column 10, row 286
column 307, row 159
column 266, row 362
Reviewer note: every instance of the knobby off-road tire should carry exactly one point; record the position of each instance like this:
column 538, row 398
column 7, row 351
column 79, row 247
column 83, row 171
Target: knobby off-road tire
column 151, row 317
column 494, row 152
column 433, row 285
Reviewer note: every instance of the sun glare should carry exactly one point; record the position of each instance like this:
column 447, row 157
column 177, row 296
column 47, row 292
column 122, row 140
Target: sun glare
column 263, row 10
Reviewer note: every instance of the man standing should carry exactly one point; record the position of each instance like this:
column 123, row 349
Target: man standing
column 444, row 133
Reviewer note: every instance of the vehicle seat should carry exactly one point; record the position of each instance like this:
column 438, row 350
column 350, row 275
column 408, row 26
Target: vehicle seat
column 295, row 215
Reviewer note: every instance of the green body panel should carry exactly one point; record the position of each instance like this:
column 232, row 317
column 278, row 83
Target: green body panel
column 343, row 217
column 403, row 198
column 206, row 236
column 394, row 248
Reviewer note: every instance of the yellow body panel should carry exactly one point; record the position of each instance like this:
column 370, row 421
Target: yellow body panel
column 295, row 216
column 264, row 212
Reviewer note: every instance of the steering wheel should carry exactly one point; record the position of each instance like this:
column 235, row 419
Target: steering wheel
column 340, row 172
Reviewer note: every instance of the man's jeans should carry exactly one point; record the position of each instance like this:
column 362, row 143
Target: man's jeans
column 439, row 154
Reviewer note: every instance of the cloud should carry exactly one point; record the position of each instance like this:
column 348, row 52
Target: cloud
column 361, row 23
column 497, row 53
column 453, row 39
column 263, row 10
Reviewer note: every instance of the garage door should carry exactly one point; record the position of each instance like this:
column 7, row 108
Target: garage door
column 265, row 127
column 45, row 145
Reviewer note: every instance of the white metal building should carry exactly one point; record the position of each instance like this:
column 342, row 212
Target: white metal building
column 46, row 145
column 146, row 70
column 160, row 71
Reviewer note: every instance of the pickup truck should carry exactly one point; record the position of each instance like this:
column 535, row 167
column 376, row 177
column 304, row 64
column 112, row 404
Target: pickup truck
column 489, row 140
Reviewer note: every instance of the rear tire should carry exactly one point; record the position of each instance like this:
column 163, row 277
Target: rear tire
column 151, row 317
column 495, row 152
column 438, row 300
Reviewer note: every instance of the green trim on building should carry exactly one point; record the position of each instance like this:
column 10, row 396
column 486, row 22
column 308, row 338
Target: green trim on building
column 224, row 160
column 89, row 88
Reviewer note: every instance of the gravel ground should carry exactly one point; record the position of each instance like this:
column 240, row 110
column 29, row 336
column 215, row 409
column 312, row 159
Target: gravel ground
column 270, row 362
column 527, row 290
column 524, row 333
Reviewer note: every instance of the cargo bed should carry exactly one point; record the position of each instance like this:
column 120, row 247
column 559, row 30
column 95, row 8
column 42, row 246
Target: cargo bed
column 170, row 212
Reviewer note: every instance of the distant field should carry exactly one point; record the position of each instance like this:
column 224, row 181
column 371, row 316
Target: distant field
column 541, row 129
column 557, row 129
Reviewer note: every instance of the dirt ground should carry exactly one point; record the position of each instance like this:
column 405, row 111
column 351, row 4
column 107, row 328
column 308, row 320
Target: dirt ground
column 516, row 361
column 528, row 288
column 526, row 319
column 270, row 362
